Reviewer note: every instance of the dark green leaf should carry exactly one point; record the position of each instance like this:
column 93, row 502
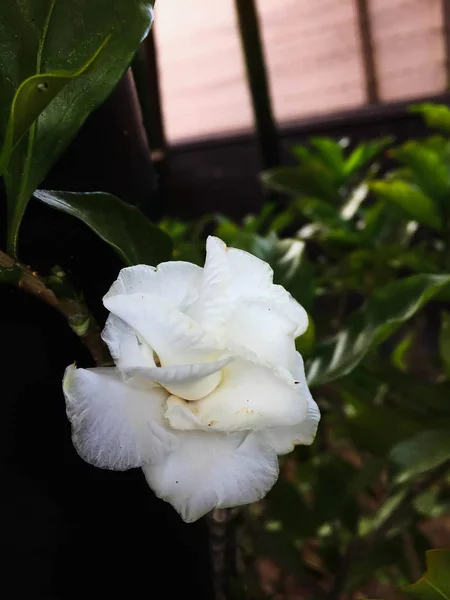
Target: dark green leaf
column 363, row 154
column 10, row 275
column 286, row 505
column 444, row 342
column 132, row 236
column 44, row 37
column 436, row 116
column 435, row 584
column 305, row 343
column 428, row 169
column 291, row 267
column 30, row 100
column 411, row 200
column 311, row 179
column 331, row 153
column 426, row 450
column 384, row 312
column 373, row 428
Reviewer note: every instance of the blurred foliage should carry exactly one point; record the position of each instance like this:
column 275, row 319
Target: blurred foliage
column 363, row 243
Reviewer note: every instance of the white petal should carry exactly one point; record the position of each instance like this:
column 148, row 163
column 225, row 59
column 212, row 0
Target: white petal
column 252, row 278
column 212, row 307
column 210, row 471
column 257, row 326
column 250, row 397
column 191, row 382
column 284, row 439
column 174, row 336
column 115, row 426
column 125, row 347
column 175, row 282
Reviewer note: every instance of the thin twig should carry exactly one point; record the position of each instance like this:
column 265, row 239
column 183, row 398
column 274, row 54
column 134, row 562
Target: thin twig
column 73, row 308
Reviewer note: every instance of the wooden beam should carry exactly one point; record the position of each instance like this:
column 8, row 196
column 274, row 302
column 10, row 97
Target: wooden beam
column 446, row 34
column 258, row 82
column 368, row 51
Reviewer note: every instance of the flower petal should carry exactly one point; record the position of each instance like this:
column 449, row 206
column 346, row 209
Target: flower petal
column 115, row 426
column 212, row 307
column 249, row 397
column 284, row 439
column 252, row 278
column 125, row 347
column 176, row 338
column 213, row 470
column 175, row 282
column 254, row 325
column 191, row 382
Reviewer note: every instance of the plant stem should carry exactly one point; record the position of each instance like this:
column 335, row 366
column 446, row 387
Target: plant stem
column 72, row 308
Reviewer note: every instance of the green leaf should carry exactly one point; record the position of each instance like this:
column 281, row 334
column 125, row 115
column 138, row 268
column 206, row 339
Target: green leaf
column 131, row 235
column 363, row 154
column 383, row 313
column 311, row 179
column 31, row 99
column 428, row 169
column 400, row 354
column 410, row 199
column 373, row 428
column 435, row 583
column 436, row 116
column 444, row 341
column 291, row 267
column 10, row 275
column 286, row 505
column 331, row 154
column 38, row 38
column 426, row 450
column 305, row 343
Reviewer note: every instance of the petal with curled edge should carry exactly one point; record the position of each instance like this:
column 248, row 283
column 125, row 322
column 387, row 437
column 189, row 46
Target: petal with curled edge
column 115, row 426
column 213, row 470
column 190, row 382
column 212, row 307
column 127, row 350
column 175, row 337
column 248, row 397
column 259, row 328
column 284, row 439
column 252, row 278
column 176, row 283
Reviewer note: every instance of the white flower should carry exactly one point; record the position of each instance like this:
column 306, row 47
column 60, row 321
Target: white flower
column 208, row 388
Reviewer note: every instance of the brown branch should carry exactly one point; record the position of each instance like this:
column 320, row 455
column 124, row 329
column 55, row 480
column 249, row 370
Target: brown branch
column 72, row 307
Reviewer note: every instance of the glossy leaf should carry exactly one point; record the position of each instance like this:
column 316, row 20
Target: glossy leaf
column 291, row 268
column 286, row 505
column 444, row 341
column 375, row 429
column 311, row 179
column 331, row 153
column 410, row 199
column 427, row 168
column 364, row 153
column 49, row 37
column 435, row 583
column 384, row 312
column 426, row 450
column 435, row 115
column 132, row 236
column 10, row 275
column 31, row 99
